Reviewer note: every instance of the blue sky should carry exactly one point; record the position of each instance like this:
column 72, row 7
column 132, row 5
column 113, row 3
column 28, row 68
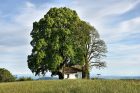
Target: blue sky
column 117, row 21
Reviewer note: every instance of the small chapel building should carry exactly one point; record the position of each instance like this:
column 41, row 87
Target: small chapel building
column 72, row 73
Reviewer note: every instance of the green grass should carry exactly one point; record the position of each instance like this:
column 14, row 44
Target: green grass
column 72, row 86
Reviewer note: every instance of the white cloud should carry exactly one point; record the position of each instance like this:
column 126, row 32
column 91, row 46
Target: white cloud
column 131, row 25
column 123, row 30
column 30, row 5
column 119, row 7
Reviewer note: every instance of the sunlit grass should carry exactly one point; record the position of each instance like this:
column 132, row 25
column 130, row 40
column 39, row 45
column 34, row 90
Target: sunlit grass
column 72, row 86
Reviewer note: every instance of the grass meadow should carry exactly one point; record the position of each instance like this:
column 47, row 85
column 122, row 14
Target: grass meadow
column 72, row 86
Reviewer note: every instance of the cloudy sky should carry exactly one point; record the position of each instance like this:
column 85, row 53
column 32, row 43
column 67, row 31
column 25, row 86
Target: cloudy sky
column 117, row 21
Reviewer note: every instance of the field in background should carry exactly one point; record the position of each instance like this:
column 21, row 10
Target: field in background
column 72, row 86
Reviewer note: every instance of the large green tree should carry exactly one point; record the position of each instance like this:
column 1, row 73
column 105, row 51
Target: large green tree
column 52, row 41
column 61, row 38
column 95, row 51
column 90, row 49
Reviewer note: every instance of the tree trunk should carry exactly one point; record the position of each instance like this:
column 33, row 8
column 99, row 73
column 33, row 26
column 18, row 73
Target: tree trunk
column 61, row 76
column 85, row 73
column 85, row 70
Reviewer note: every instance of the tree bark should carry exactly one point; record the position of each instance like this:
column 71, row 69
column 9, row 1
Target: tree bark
column 85, row 70
column 85, row 73
column 61, row 76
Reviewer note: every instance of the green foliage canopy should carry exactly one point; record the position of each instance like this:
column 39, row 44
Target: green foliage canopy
column 52, row 40
column 60, row 38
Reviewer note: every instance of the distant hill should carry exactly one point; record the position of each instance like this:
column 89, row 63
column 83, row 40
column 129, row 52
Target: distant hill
column 119, row 77
column 55, row 78
column 36, row 77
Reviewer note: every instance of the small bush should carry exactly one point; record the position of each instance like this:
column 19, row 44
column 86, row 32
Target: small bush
column 6, row 76
column 25, row 79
